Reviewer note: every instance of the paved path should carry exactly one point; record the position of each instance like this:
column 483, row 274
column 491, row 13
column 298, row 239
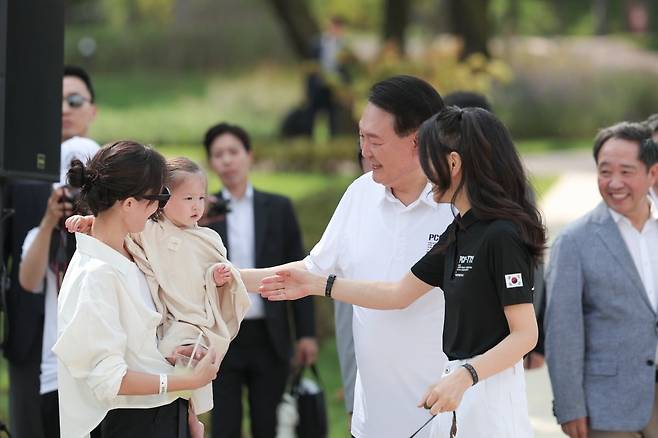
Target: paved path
column 574, row 194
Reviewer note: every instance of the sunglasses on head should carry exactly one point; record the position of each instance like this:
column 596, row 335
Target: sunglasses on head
column 162, row 198
column 75, row 100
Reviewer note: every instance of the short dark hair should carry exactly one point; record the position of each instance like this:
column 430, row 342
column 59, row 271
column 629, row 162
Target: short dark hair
column 81, row 73
column 630, row 131
column 226, row 128
column 652, row 122
column 467, row 99
column 118, row 171
column 409, row 99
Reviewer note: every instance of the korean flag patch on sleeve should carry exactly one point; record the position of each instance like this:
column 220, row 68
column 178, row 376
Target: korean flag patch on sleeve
column 513, row 280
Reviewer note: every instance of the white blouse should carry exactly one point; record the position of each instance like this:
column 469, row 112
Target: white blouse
column 105, row 326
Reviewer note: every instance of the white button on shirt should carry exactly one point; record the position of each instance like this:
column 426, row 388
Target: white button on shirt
column 373, row 236
column 240, row 230
column 106, row 325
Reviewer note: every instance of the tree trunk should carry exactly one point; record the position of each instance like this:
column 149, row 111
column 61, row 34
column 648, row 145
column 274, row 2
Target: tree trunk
column 471, row 21
column 298, row 23
column 396, row 18
column 600, row 12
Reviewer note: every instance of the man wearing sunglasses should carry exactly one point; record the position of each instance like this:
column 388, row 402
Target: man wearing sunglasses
column 41, row 250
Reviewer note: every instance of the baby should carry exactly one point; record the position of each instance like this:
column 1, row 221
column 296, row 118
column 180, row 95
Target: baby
column 194, row 287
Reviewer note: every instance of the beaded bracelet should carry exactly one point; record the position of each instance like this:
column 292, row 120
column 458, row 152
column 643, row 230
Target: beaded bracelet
column 471, row 370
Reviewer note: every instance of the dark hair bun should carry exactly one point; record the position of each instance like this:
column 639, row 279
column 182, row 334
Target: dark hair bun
column 118, row 171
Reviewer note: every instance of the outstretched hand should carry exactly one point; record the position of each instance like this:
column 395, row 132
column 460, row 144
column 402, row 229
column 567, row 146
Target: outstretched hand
column 291, row 284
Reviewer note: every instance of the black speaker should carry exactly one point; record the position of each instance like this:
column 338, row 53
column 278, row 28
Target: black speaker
column 31, row 68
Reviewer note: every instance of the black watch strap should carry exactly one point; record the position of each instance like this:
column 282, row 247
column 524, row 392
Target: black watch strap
column 330, row 283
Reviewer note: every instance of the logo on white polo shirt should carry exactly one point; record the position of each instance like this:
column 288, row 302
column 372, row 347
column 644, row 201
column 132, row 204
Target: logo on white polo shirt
column 431, row 240
column 513, row 280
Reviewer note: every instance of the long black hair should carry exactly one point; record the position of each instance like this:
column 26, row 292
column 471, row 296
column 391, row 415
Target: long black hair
column 492, row 173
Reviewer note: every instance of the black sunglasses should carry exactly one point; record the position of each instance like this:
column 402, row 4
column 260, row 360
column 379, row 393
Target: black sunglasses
column 162, row 198
column 75, row 100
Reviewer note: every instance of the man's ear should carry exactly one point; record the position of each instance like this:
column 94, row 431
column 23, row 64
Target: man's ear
column 653, row 175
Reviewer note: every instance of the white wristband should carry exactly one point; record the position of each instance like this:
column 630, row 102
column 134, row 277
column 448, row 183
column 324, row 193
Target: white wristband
column 163, row 384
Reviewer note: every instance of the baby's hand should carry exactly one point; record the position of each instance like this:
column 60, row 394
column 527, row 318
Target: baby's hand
column 79, row 224
column 222, row 275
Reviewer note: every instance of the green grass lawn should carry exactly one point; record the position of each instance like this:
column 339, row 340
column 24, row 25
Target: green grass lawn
column 164, row 108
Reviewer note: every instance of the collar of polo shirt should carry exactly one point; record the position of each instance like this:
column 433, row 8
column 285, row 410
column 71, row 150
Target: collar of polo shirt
column 467, row 220
column 425, row 196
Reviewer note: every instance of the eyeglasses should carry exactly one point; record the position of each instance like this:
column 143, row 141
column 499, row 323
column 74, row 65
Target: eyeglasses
column 75, row 100
column 162, row 198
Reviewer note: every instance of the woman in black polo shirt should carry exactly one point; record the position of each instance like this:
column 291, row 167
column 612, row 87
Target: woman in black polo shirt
column 484, row 263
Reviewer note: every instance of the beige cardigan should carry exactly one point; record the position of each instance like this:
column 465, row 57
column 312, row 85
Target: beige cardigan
column 178, row 264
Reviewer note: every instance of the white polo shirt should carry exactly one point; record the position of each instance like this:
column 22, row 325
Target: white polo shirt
column 399, row 353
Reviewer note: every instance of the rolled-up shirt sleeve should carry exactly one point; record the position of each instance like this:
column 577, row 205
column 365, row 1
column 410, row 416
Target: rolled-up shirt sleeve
column 91, row 341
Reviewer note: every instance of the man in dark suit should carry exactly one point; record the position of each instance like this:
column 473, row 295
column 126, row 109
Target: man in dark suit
column 259, row 230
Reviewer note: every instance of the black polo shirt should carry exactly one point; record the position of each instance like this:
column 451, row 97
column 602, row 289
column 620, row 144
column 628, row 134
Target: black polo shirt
column 485, row 268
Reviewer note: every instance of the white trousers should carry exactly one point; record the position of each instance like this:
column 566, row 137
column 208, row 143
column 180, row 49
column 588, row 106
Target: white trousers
column 494, row 408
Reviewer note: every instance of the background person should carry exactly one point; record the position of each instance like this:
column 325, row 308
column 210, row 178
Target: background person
column 27, row 320
column 47, row 251
column 259, row 230
column 601, row 338
column 652, row 123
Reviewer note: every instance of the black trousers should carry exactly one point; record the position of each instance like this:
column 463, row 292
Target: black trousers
column 168, row 421
column 251, row 361
column 24, row 397
column 50, row 414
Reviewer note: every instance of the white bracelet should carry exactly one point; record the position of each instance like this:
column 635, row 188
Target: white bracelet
column 163, row 384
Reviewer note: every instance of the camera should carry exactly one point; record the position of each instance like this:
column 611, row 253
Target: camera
column 70, row 195
column 217, row 206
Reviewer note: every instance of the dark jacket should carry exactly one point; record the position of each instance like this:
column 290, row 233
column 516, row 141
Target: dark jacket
column 278, row 240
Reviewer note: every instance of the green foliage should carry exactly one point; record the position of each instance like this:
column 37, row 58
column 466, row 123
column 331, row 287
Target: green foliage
column 569, row 101
column 211, row 35
column 169, row 108
column 362, row 15
column 438, row 64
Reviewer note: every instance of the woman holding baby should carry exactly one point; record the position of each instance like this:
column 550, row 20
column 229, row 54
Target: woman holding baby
column 114, row 381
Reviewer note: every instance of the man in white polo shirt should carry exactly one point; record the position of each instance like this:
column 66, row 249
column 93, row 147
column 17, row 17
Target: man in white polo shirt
column 385, row 222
